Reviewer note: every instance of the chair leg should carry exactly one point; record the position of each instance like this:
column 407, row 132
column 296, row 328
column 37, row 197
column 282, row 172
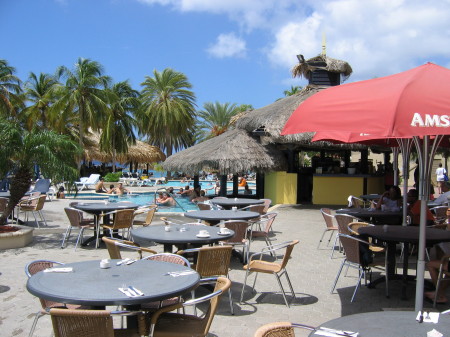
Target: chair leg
column 361, row 273
column 289, row 283
column 243, row 286
column 66, row 236
column 282, row 290
column 437, row 287
column 39, row 314
column 80, row 235
column 231, row 301
column 36, row 220
column 42, row 217
column 334, row 246
column 321, row 238
column 337, row 276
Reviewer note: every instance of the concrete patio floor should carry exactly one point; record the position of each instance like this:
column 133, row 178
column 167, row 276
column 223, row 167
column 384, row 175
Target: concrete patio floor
column 311, row 270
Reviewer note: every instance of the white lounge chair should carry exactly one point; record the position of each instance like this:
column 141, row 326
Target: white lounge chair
column 86, row 182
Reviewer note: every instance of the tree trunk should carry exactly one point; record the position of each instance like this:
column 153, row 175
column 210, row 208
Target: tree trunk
column 20, row 184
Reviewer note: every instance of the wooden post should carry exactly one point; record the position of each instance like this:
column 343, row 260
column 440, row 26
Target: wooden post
column 223, row 185
column 235, row 185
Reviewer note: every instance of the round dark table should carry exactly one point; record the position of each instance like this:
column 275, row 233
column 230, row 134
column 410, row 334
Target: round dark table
column 90, row 285
column 228, row 203
column 215, row 216
column 179, row 238
column 387, row 324
column 392, row 235
column 97, row 208
column 377, row 217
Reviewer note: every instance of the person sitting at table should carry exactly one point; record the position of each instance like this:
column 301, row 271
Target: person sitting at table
column 391, row 199
column 247, row 190
column 414, row 209
column 443, row 198
column 100, row 187
column 164, row 200
column 120, row 190
column 242, row 182
column 433, row 268
column 201, row 198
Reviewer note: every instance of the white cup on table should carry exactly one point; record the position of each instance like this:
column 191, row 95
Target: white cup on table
column 234, row 209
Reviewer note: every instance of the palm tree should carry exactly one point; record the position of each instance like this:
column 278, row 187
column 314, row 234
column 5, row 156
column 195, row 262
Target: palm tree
column 292, row 91
column 117, row 132
column 41, row 93
column 20, row 150
column 214, row 119
column 168, row 110
column 10, row 90
column 84, row 95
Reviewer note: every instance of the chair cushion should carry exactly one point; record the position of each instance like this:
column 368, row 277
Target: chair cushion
column 261, row 266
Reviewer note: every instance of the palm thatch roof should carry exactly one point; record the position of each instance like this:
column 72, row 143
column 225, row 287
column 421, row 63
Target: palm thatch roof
column 304, row 69
column 231, row 152
column 141, row 152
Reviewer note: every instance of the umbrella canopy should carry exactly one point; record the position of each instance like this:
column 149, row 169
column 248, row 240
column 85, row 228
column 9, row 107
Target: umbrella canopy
column 413, row 105
column 231, row 152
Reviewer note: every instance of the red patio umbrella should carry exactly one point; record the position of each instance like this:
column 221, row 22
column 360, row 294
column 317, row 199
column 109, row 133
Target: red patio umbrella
column 414, row 104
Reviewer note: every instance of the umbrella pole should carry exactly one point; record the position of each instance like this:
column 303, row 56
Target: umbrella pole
column 405, row 148
column 426, row 155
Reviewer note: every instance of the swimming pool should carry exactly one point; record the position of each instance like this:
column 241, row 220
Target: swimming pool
column 182, row 204
column 204, row 185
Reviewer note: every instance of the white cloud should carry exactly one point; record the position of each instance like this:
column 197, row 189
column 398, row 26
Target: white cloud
column 377, row 37
column 228, row 45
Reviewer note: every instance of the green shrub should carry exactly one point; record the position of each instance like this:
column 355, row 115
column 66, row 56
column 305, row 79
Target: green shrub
column 112, row 177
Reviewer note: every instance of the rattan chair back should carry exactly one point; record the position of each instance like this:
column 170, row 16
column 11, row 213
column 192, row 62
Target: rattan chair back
column 288, row 252
column 75, row 216
column 113, row 250
column 123, row 219
column 148, row 217
column 277, row 329
column 86, row 323
column 37, row 266
column 267, row 203
column 328, row 216
column 204, row 207
column 351, row 248
column 343, row 220
column 213, row 261
column 170, row 258
column 40, row 202
column 255, row 208
column 354, row 226
column 240, row 231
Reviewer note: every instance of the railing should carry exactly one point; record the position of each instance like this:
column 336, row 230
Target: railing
column 170, row 195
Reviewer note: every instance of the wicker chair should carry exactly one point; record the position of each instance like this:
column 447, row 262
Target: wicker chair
column 440, row 216
column 280, row 329
column 170, row 258
column 31, row 269
column 254, row 208
column 76, row 221
column 92, row 323
column 33, row 205
column 212, row 261
column 445, row 260
column 123, row 219
column 165, row 324
column 240, row 228
column 353, row 228
column 328, row 216
column 150, row 210
column 353, row 259
column 204, row 207
column 266, row 221
column 267, row 203
column 113, row 245
column 258, row 265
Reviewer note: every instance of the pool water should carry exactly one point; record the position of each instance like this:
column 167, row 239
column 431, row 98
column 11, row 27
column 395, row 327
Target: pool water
column 183, row 204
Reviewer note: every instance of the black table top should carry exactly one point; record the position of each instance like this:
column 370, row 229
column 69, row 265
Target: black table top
column 239, row 202
column 370, row 196
column 365, row 213
column 218, row 215
column 101, row 207
column 88, row 284
column 405, row 234
column 387, row 324
column 175, row 236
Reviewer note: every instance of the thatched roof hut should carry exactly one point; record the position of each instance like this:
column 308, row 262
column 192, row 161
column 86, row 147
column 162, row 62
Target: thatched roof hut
column 139, row 153
column 229, row 153
column 305, row 69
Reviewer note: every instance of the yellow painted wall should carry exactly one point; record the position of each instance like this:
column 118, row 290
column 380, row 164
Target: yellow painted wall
column 334, row 190
column 281, row 187
column 375, row 185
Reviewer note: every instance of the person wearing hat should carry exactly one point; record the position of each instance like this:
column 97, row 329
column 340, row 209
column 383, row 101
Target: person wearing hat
column 443, row 198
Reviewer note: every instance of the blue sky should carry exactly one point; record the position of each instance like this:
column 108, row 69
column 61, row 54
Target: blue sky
column 238, row 51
